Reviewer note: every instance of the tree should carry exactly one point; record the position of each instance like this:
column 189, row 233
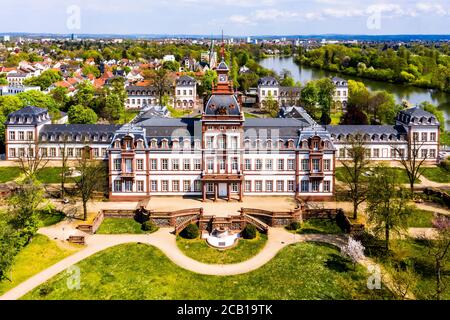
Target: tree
column 64, row 164
column 207, row 82
column 111, row 103
column 270, row 106
column 23, row 206
column 82, row 115
column 325, row 94
column 60, row 95
column 354, row 170
column 8, row 245
column 387, row 203
column 161, row 82
column 41, row 100
column 91, row 178
column 439, row 249
column 381, row 105
column 411, row 161
column 84, row 95
column 90, row 69
column 8, row 104
column 32, row 160
column 354, row 250
column 309, row 98
column 403, row 278
column 171, row 66
column 45, row 80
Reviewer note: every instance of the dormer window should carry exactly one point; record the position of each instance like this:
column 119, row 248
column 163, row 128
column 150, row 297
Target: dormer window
column 154, row 144
column 77, row 137
column 140, row 144
column 175, row 144
column 44, row 137
column 117, row 144
column 52, row 138
column 95, row 137
column 165, row 144
column 197, row 144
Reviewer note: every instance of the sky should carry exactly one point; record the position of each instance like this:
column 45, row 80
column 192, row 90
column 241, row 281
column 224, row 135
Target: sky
column 235, row 17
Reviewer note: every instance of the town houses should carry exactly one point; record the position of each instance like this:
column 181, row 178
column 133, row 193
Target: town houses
column 222, row 154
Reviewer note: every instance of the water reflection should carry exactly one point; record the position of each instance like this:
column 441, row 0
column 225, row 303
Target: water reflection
column 412, row 94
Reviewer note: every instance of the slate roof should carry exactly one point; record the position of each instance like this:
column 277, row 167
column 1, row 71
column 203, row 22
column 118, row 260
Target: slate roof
column 186, row 81
column 388, row 130
column 217, row 103
column 222, row 66
column 268, row 82
column 165, row 127
column 406, row 116
column 28, row 112
column 273, row 128
column 89, row 130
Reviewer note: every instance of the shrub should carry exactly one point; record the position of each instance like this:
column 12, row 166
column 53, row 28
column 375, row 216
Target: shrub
column 295, row 225
column 190, row 232
column 249, row 232
column 149, row 226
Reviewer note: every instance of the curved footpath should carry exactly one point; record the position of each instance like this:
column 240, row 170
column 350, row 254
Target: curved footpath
column 166, row 242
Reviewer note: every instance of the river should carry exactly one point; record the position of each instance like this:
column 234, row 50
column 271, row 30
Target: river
column 412, row 94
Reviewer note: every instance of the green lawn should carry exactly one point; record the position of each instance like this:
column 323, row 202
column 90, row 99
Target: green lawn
column 51, row 175
column 199, row 250
column 250, row 115
column 40, row 254
column 178, row 113
column 319, row 226
column 416, row 253
column 437, row 174
column 420, row 219
column 9, row 173
column 48, row 219
column 140, row 271
column 401, row 173
column 120, row 225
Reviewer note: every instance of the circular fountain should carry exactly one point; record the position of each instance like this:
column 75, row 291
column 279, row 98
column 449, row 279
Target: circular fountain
column 222, row 238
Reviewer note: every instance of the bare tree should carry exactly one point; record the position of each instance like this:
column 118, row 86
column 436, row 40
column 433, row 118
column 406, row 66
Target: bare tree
column 33, row 159
column 354, row 250
column 354, row 170
column 64, row 164
column 91, row 178
column 411, row 161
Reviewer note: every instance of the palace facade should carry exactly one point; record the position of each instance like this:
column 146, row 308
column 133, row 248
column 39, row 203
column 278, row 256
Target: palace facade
column 221, row 154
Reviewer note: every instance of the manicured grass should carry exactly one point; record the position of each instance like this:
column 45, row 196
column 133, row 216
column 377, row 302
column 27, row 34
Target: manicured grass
column 437, row 174
column 48, row 219
column 415, row 252
column 120, row 225
column 319, row 226
column 250, row 115
column 51, row 175
column 40, row 254
column 9, row 173
column 420, row 219
column 199, row 250
column 140, row 271
column 178, row 113
column 401, row 174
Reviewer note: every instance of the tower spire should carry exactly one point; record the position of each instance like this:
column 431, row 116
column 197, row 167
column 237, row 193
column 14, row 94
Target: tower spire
column 222, row 50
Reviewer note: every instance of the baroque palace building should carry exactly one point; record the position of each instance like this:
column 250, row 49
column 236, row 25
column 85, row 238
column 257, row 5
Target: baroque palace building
column 221, row 154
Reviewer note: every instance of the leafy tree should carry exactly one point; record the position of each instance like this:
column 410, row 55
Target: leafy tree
column 270, row 106
column 84, row 95
column 8, row 104
column 3, row 81
column 161, row 82
column 23, row 207
column 309, row 98
column 60, row 95
column 90, row 69
column 45, row 80
column 111, row 103
column 82, row 115
column 171, row 66
column 354, row 170
column 9, row 239
column 387, row 203
column 325, row 94
column 207, row 82
column 41, row 100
